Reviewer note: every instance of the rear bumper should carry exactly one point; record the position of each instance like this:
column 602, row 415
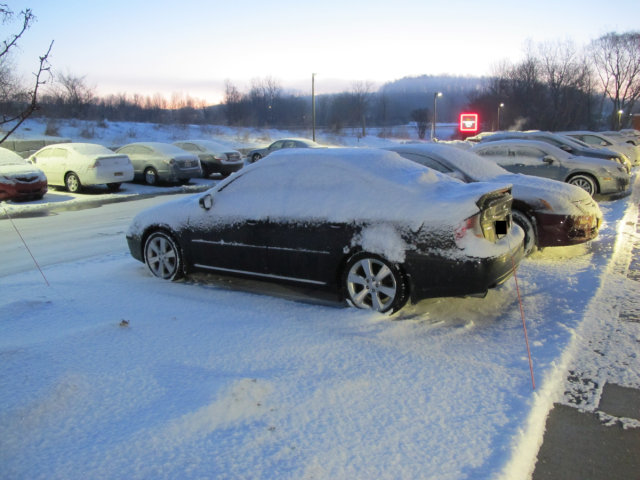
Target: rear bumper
column 446, row 277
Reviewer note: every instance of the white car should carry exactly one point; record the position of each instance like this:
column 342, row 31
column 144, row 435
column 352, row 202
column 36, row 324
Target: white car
column 75, row 165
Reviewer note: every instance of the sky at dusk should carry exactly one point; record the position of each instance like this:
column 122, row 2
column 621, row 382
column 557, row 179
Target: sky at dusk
column 192, row 47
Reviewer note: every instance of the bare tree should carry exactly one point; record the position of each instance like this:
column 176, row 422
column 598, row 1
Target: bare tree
column 566, row 74
column 617, row 61
column 361, row 97
column 18, row 104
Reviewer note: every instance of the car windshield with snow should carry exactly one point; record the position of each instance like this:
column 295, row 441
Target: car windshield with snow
column 550, row 212
column 367, row 223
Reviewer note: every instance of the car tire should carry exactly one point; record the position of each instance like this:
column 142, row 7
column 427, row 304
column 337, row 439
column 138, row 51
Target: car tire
column 72, row 182
column 163, row 256
column 114, row 187
column 150, row 176
column 255, row 157
column 530, row 236
column 372, row 282
column 585, row 182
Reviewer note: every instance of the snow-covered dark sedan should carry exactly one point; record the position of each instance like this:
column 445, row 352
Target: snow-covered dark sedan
column 258, row 153
column 367, row 223
column 550, row 212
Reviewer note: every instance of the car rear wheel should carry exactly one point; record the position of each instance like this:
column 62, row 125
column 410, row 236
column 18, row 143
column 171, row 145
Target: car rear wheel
column 72, row 182
column 530, row 238
column 150, row 176
column 585, row 182
column 163, row 257
column 114, row 187
column 371, row 282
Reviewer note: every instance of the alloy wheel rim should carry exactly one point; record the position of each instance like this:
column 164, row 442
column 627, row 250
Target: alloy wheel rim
column 161, row 257
column 371, row 284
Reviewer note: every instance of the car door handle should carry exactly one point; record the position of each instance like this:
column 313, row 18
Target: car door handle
column 251, row 222
column 519, row 164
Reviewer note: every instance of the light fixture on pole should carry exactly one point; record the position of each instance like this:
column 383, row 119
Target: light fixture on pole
column 620, row 112
column 500, row 107
column 433, row 122
column 313, row 105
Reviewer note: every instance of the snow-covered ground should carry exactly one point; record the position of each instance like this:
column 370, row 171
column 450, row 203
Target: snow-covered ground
column 107, row 372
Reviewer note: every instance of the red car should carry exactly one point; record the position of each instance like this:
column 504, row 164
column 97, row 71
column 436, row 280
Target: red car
column 20, row 180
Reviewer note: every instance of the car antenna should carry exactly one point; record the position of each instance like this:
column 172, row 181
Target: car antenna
column 25, row 244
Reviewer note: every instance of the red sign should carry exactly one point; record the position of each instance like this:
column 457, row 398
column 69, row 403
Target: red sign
column 469, row 122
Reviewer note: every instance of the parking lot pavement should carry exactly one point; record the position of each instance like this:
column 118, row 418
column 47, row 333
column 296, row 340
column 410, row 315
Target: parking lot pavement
column 603, row 444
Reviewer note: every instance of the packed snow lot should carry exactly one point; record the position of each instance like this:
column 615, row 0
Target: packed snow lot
column 108, row 372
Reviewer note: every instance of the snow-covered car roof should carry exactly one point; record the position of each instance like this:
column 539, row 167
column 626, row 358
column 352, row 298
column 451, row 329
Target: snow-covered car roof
column 160, row 147
column 336, row 185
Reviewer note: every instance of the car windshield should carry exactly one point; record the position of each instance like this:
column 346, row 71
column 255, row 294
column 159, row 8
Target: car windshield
column 472, row 165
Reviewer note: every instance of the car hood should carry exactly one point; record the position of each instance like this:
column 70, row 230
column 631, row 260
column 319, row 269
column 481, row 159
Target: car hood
column 550, row 196
column 19, row 170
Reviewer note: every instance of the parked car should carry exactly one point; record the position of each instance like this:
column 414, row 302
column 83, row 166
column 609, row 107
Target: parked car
column 571, row 146
column 601, row 140
column 551, row 213
column 19, row 179
column 75, row 165
column 366, row 223
column 257, row 154
column 214, row 158
column 541, row 159
column 155, row 162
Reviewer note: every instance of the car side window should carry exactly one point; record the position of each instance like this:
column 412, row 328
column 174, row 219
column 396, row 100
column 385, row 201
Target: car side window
column 290, row 144
column 494, row 152
column 276, row 145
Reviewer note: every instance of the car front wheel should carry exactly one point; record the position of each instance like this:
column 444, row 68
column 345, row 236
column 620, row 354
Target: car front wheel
column 255, row 157
column 526, row 224
column 371, row 282
column 162, row 256
column 585, row 182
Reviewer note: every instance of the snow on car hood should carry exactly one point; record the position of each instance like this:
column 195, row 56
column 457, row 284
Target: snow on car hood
column 551, row 195
column 12, row 171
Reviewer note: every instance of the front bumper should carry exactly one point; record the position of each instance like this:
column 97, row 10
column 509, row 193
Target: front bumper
column 562, row 230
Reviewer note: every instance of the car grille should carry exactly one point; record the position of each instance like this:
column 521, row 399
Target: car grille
column 28, row 178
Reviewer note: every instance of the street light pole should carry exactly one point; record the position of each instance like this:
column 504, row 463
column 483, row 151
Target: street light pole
column 313, row 104
column 501, row 106
column 620, row 112
column 433, row 122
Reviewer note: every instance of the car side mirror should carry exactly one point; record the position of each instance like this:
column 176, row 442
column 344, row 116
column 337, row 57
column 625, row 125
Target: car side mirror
column 548, row 159
column 206, row 202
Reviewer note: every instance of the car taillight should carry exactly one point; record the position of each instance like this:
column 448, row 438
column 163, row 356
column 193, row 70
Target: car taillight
column 470, row 226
